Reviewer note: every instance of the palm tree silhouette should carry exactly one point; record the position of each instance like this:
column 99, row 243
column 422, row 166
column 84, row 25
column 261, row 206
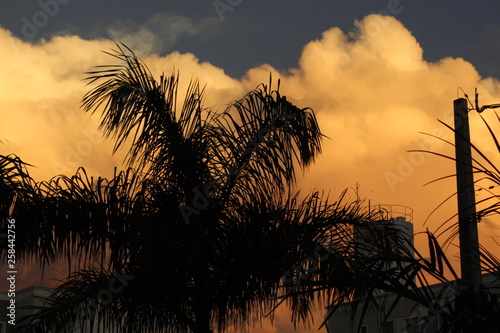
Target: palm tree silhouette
column 197, row 233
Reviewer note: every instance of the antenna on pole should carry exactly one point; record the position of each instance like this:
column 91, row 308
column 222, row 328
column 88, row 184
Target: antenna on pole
column 484, row 107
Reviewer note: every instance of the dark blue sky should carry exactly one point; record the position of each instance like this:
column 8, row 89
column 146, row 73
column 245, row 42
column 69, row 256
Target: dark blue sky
column 274, row 32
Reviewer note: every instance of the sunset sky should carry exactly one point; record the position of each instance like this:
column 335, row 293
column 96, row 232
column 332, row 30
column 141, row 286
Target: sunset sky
column 377, row 73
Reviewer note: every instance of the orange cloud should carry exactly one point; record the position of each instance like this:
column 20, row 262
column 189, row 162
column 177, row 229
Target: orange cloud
column 372, row 91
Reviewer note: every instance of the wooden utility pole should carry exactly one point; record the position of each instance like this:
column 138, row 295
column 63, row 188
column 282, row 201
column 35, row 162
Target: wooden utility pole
column 467, row 222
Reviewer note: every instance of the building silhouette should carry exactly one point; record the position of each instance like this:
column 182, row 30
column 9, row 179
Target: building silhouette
column 392, row 223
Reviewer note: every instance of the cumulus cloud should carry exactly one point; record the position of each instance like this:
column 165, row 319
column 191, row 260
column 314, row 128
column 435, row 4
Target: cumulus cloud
column 41, row 87
column 372, row 98
column 372, row 91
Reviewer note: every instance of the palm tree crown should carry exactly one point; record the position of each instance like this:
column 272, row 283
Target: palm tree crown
column 196, row 234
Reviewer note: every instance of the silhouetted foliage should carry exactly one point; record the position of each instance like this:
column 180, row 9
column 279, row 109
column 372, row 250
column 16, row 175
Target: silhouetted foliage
column 204, row 222
column 408, row 276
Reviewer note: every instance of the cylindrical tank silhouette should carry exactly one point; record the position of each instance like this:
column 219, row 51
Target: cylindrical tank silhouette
column 390, row 231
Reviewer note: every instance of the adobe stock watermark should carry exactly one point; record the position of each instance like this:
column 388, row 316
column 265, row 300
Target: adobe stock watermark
column 408, row 163
column 302, row 271
column 201, row 199
column 423, row 315
column 48, row 9
column 223, row 6
column 375, row 26
column 76, row 153
column 103, row 298
column 16, row 43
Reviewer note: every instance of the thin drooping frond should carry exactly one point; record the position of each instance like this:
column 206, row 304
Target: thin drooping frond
column 78, row 217
column 485, row 171
column 405, row 274
column 300, row 229
column 206, row 219
column 141, row 112
column 268, row 133
column 411, row 275
column 14, row 180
